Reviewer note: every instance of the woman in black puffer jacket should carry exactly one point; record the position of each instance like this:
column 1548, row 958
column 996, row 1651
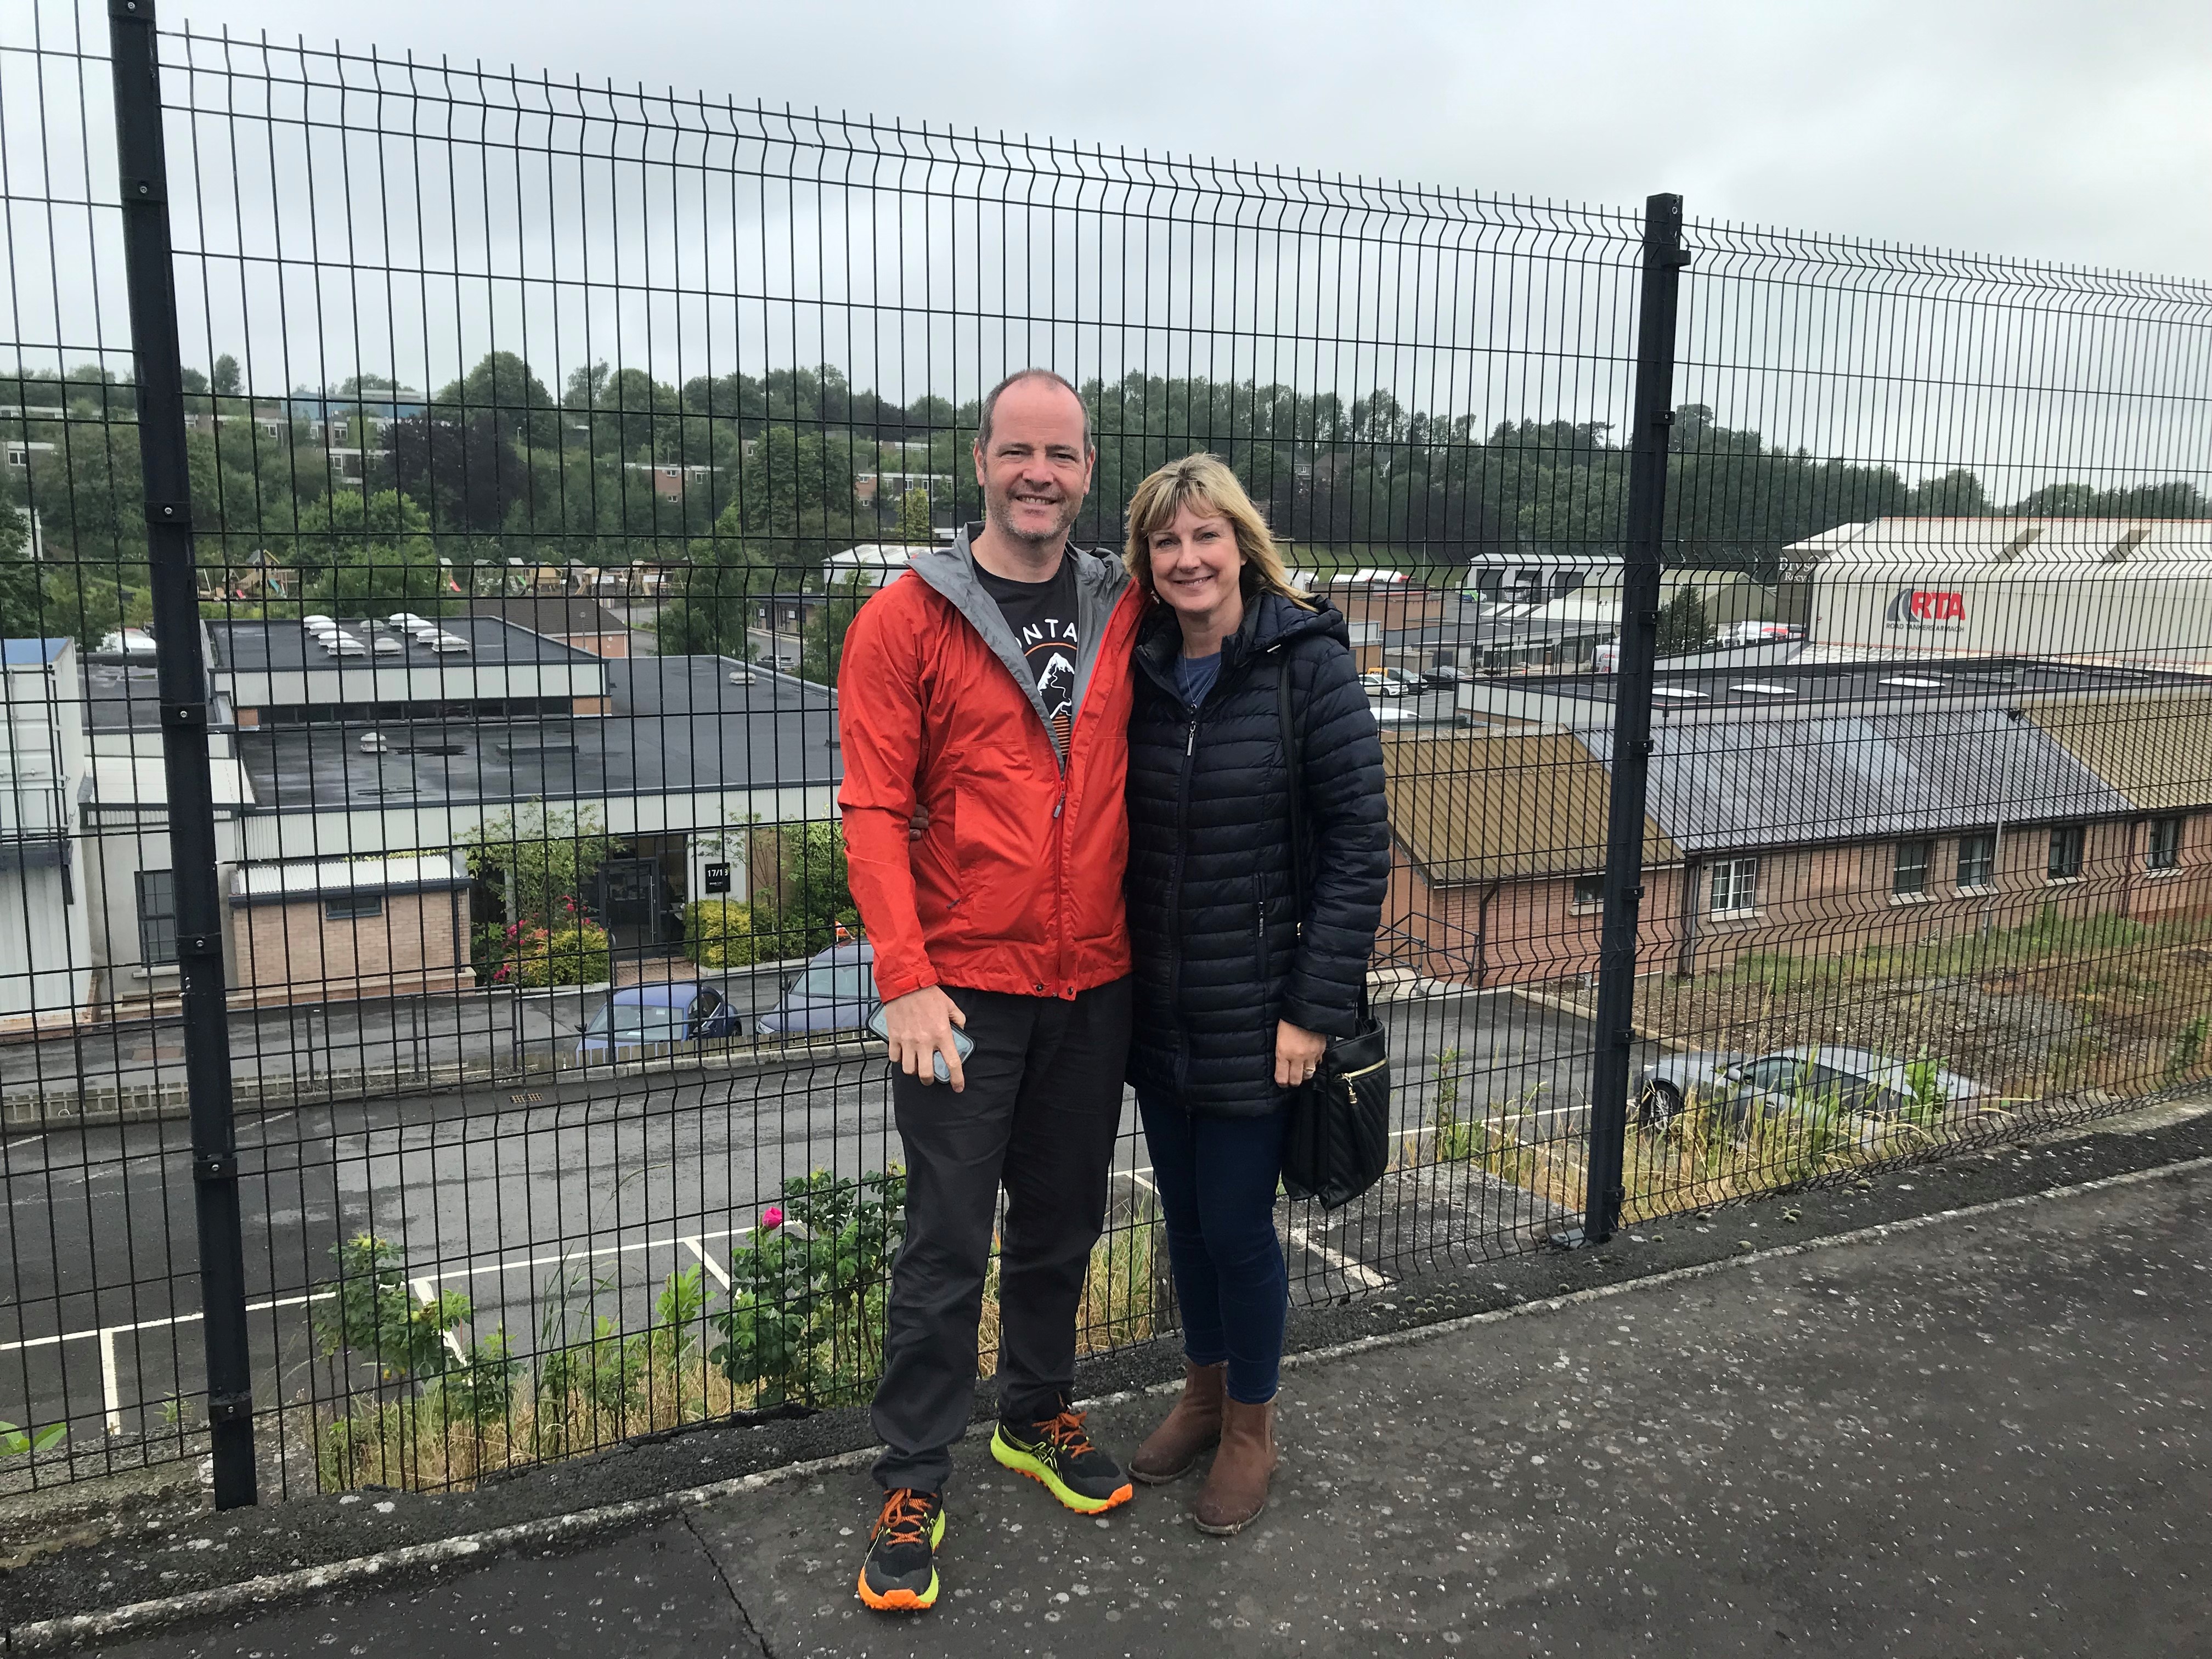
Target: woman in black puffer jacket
column 1237, row 993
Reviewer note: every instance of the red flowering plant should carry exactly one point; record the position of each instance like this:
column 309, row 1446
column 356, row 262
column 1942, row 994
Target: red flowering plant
column 806, row 1292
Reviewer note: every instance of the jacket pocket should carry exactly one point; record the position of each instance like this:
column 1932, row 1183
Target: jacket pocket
column 1003, row 854
column 1261, row 954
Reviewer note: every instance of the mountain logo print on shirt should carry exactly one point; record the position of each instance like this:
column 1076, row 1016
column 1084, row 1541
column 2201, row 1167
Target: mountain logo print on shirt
column 1049, row 646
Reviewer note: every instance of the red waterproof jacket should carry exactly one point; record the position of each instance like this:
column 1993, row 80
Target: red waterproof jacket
column 1016, row 885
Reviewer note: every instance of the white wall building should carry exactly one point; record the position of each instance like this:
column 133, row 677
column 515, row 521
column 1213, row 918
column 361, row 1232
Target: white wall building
column 2125, row 591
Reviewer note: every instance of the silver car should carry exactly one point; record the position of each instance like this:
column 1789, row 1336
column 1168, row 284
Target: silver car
column 1854, row 1080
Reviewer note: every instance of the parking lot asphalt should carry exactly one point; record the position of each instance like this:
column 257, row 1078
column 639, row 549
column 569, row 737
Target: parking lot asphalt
column 586, row 1193
column 1979, row 1429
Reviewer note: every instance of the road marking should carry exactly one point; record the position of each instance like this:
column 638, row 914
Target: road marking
column 697, row 1246
column 567, row 1256
column 110, row 1388
column 428, row 1296
column 1357, row 1272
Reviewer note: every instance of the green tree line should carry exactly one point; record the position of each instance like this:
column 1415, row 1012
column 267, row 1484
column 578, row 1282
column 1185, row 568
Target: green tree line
column 472, row 486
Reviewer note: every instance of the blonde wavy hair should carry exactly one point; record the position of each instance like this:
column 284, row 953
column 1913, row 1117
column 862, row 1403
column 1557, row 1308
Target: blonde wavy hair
column 1205, row 484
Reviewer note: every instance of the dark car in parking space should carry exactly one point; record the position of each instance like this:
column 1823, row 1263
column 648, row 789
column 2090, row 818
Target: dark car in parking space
column 836, row 991
column 1855, row 1081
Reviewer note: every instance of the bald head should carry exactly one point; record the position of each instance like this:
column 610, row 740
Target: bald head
column 1024, row 377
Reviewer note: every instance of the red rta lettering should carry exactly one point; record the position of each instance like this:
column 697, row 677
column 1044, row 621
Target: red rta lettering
column 1924, row 605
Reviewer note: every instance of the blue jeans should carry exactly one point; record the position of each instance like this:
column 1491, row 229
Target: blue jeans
column 1216, row 1177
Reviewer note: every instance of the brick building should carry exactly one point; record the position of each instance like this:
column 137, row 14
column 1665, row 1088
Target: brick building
column 1811, row 811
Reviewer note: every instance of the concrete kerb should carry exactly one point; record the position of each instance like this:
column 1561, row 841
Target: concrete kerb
column 66, row 1632
column 27, row 1112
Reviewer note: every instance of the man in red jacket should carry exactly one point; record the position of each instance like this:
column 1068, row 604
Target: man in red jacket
column 988, row 688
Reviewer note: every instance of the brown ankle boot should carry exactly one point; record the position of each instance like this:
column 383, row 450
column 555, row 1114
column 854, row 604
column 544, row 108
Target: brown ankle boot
column 1174, row 1448
column 1236, row 1489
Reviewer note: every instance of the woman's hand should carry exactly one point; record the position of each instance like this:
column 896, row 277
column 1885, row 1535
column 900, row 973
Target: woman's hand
column 1298, row 1052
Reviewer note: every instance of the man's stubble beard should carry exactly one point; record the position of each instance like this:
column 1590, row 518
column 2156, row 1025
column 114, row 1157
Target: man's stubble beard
column 997, row 514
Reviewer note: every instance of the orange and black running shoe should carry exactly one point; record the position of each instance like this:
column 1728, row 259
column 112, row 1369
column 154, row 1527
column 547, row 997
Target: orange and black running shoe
column 900, row 1574
column 1057, row 1453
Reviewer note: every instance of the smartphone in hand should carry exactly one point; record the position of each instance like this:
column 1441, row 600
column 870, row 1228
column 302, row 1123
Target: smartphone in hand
column 963, row 1044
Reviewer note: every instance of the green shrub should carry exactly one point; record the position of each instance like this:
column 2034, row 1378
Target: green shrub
column 578, row 953
column 805, row 1317
column 719, row 933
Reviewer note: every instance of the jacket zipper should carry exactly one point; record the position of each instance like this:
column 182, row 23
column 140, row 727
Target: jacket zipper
column 1175, row 906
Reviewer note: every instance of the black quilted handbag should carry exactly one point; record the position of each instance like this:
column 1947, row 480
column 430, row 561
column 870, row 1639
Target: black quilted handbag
column 1338, row 1143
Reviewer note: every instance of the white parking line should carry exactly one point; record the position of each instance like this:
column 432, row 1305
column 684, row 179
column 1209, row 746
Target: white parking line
column 425, row 1287
column 111, row 1387
column 697, row 1245
column 1358, row 1273
column 427, row 1295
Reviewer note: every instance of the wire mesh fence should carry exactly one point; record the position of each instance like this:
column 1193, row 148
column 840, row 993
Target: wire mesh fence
column 541, row 442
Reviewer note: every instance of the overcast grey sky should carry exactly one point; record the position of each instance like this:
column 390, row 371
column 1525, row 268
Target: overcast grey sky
column 2069, row 132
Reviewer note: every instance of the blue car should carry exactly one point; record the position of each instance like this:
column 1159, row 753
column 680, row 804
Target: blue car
column 836, row 992
column 637, row 1018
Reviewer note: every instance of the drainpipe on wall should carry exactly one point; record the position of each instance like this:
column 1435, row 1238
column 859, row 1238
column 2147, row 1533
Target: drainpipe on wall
column 1482, row 935
column 2128, row 870
column 1686, row 953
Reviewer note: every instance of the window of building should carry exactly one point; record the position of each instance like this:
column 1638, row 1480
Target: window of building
column 1977, row 859
column 2165, row 851
column 1589, row 892
column 353, row 907
column 1735, row 887
column 157, row 917
column 2066, row 840
column 1908, row 871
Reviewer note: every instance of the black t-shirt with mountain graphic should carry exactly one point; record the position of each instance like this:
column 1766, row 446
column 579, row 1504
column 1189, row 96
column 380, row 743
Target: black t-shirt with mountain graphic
column 1042, row 617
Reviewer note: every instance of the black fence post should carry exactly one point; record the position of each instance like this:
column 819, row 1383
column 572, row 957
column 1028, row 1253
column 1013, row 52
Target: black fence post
column 1613, row 1064
column 180, row 669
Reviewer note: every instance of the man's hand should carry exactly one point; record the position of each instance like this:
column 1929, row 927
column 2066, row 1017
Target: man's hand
column 920, row 1026
column 918, row 825
column 1297, row 1053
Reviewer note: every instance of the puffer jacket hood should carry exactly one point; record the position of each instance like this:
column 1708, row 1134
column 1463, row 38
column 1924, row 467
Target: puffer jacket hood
column 1221, row 952
column 1270, row 620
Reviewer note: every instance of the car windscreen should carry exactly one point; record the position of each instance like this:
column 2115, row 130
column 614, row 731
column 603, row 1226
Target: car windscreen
column 636, row 1024
column 838, row 983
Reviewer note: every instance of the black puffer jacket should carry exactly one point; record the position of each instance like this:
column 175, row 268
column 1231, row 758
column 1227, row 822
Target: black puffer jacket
column 1219, row 955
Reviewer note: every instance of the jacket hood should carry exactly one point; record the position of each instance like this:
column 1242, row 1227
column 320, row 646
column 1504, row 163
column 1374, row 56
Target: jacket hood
column 1100, row 581
column 1269, row 621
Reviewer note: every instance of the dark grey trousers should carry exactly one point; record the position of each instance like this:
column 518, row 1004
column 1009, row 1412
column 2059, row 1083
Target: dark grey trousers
column 1040, row 1114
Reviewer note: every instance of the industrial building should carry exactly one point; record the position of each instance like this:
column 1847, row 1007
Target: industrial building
column 2112, row 590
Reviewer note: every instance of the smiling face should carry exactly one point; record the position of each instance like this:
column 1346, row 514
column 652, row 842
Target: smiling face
column 1035, row 472
column 1197, row 570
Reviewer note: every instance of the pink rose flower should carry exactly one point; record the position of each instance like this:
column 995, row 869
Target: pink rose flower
column 771, row 1218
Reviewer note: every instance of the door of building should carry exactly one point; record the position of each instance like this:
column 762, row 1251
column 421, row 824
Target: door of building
column 629, row 902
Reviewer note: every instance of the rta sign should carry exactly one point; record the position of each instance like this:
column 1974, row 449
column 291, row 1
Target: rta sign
column 1925, row 607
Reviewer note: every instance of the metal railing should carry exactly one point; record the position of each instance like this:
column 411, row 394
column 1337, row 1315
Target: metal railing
column 1789, row 652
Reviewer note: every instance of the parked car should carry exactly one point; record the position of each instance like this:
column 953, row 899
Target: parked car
column 836, row 991
column 1760, row 633
column 639, row 1017
column 1854, row 1080
column 1389, row 682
